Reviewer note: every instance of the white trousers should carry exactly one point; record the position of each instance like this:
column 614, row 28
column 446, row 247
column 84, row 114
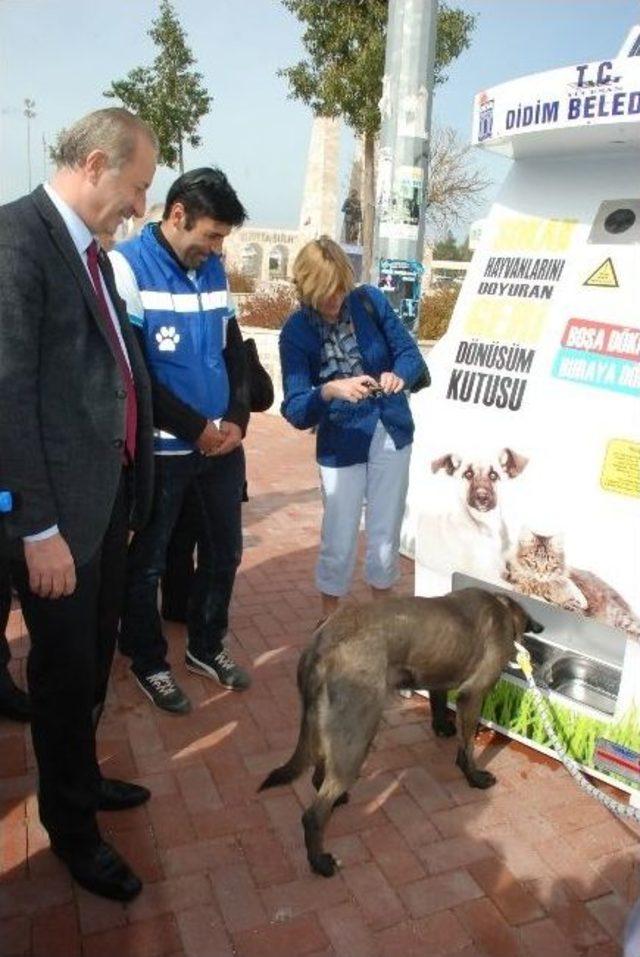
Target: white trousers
column 382, row 483
column 632, row 933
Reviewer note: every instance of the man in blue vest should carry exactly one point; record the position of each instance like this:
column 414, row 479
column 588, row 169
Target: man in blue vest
column 173, row 280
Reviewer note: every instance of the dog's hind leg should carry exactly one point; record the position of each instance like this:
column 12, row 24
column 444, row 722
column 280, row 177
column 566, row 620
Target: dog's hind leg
column 442, row 724
column 318, row 775
column 340, row 769
column 469, row 704
column 318, row 778
column 314, row 821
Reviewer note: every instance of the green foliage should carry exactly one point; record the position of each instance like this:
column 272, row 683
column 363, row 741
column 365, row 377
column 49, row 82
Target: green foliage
column 515, row 709
column 345, row 44
column 435, row 312
column 448, row 248
column 168, row 95
column 342, row 73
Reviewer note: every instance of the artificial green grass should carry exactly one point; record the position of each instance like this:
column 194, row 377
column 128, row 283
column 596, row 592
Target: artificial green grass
column 515, row 709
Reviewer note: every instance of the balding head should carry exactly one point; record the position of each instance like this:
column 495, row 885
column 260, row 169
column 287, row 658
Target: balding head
column 106, row 162
column 115, row 131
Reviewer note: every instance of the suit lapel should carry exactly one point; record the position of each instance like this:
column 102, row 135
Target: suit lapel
column 64, row 243
column 109, row 280
column 128, row 335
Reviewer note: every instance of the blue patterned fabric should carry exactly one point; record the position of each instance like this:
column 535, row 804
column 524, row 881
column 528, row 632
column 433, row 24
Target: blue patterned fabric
column 340, row 354
column 345, row 429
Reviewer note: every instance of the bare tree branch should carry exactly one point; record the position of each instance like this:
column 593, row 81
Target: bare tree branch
column 454, row 185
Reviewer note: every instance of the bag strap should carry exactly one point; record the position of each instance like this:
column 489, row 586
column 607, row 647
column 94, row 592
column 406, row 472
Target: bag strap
column 369, row 307
column 372, row 312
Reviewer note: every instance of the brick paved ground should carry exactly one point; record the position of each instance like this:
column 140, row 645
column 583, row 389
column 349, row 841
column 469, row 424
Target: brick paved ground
column 531, row 867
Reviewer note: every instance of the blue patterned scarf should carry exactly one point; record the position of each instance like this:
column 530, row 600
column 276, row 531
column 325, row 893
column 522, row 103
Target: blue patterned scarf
column 339, row 353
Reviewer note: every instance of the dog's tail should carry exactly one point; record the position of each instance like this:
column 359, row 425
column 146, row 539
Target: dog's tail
column 294, row 767
column 303, row 755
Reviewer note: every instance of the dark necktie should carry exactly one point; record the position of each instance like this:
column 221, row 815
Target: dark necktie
column 118, row 349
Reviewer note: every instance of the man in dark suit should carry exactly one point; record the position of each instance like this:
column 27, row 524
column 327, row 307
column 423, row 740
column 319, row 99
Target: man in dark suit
column 76, row 455
column 14, row 703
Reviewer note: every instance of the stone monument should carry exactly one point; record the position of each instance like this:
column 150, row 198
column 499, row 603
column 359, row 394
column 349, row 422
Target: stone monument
column 319, row 207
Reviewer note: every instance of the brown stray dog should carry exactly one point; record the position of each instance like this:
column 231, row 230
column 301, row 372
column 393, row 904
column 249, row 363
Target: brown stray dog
column 462, row 640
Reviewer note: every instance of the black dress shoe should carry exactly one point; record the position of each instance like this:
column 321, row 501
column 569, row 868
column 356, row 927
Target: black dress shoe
column 102, row 871
column 114, row 795
column 14, row 702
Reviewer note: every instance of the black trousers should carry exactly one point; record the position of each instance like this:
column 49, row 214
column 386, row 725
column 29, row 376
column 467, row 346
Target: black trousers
column 216, row 485
column 5, row 608
column 178, row 576
column 180, row 566
column 72, row 645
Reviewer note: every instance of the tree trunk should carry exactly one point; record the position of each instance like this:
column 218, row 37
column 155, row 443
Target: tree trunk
column 368, row 204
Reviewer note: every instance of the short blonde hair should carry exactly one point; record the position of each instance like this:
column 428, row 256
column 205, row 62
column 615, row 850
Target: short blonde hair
column 320, row 270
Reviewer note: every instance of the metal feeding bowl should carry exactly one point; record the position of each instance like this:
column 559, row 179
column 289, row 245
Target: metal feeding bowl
column 584, row 680
column 573, row 676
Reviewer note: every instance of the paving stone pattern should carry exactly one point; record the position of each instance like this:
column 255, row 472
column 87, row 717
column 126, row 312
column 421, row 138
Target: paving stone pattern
column 430, row 866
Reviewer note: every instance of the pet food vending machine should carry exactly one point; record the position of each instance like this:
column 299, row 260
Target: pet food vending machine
column 525, row 473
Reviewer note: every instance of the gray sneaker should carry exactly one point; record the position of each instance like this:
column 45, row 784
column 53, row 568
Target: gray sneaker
column 221, row 667
column 162, row 689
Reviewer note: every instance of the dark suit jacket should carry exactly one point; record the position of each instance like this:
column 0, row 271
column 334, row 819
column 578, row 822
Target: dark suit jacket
column 62, row 403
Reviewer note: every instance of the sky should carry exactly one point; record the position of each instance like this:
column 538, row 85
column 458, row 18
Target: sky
column 64, row 53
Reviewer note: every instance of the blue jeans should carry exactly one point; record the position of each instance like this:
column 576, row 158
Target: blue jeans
column 216, row 484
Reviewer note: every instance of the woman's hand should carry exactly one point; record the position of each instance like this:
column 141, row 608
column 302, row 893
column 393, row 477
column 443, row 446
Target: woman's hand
column 353, row 390
column 390, row 383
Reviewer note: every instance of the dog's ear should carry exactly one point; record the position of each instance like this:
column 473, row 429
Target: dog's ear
column 514, row 617
column 451, row 463
column 512, row 463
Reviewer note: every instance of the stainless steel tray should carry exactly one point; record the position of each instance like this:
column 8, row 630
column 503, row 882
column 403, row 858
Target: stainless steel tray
column 573, row 676
column 583, row 680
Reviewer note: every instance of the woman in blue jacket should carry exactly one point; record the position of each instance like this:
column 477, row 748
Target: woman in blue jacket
column 346, row 363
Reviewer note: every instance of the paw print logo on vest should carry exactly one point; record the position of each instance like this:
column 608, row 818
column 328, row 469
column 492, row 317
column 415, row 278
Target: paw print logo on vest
column 167, row 339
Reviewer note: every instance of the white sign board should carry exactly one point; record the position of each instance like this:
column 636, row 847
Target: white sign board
column 526, row 462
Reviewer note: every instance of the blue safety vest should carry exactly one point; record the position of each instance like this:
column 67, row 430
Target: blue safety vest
column 184, row 328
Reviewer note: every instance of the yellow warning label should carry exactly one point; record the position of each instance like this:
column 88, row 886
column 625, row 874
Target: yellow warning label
column 621, row 468
column 506, row 320
column 604, row 275
column 534, row 234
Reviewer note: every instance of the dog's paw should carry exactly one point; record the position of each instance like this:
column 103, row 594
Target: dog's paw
column 445, row 728
column 324, row 864
column 481, row 779
column 475, row 777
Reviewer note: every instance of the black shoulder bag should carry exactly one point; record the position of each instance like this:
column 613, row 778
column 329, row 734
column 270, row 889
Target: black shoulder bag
column 260, row 384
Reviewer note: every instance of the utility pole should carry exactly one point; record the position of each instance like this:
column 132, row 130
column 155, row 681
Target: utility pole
column 405, row 108
column 30, row 112
column 45, row 158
